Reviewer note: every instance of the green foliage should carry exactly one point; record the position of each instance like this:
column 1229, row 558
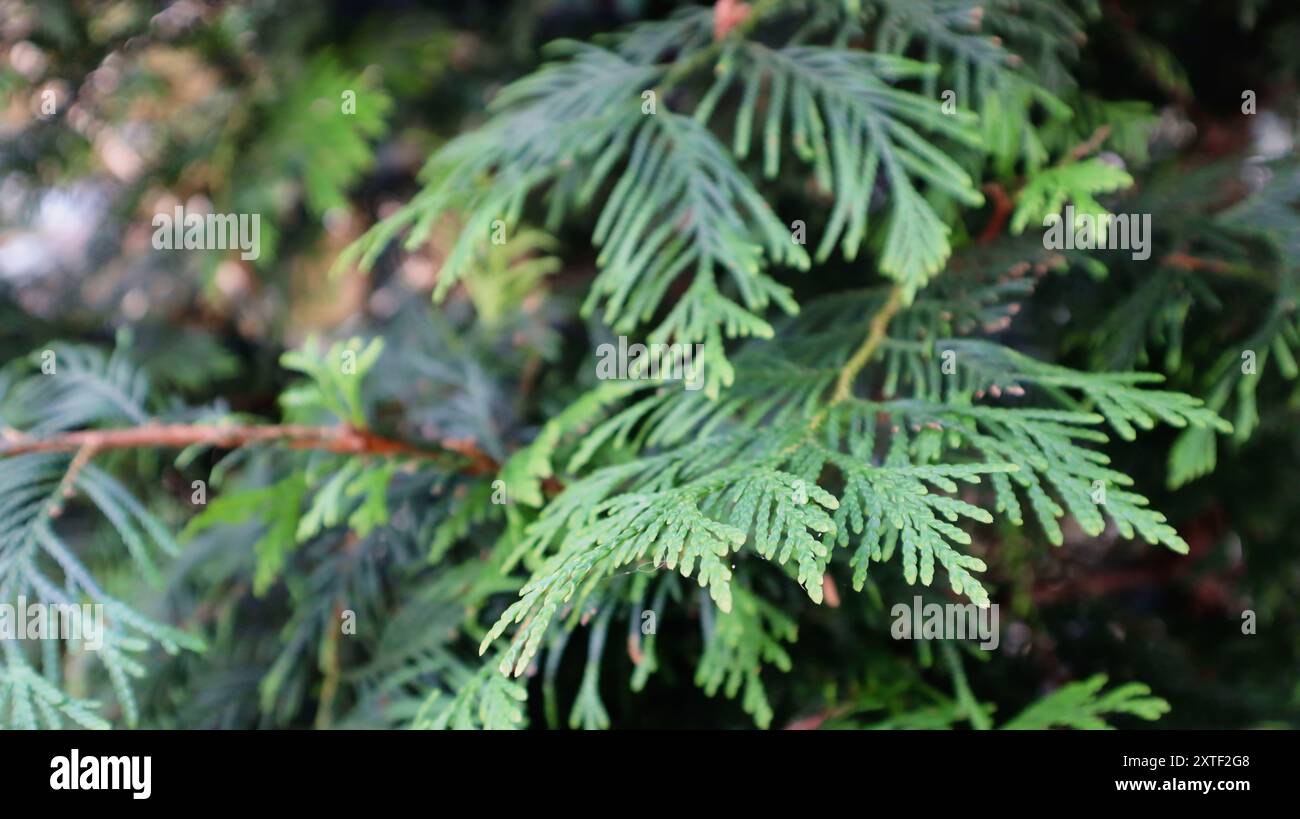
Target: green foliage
column 791, row 476
column 1077, row 705
column 39, row 565
column 739, row 643
column 1078, row 183
column 546, row 124
column 486, row 701
column 327, row 151
column 1082, row 705
column 847, row 119
column 336, row 377
column 93, row 387
column 509, row 273
column 894, row 391
column 277, row 507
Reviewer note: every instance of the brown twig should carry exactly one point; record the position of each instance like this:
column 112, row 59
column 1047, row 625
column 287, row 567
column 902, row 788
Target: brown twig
column 1002, row 207
column 1186, row 261
column 1190, row 263
column 727, row 14
column 1091, row 144
column 340, row 439
column 1003, row 204
column 332, row 668
column 813, row 722
column 875, row 337
column 83, row 456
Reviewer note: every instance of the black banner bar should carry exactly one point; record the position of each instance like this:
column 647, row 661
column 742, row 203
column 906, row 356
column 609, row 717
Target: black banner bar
column 143, row 770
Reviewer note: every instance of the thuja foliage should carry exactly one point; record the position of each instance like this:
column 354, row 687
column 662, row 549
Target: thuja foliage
column 905, row 394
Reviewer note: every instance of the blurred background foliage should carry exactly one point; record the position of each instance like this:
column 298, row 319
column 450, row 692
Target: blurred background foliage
column 234, row 107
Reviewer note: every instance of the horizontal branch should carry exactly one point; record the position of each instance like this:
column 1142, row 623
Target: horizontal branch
column 340, row 439
column 1188, row 262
